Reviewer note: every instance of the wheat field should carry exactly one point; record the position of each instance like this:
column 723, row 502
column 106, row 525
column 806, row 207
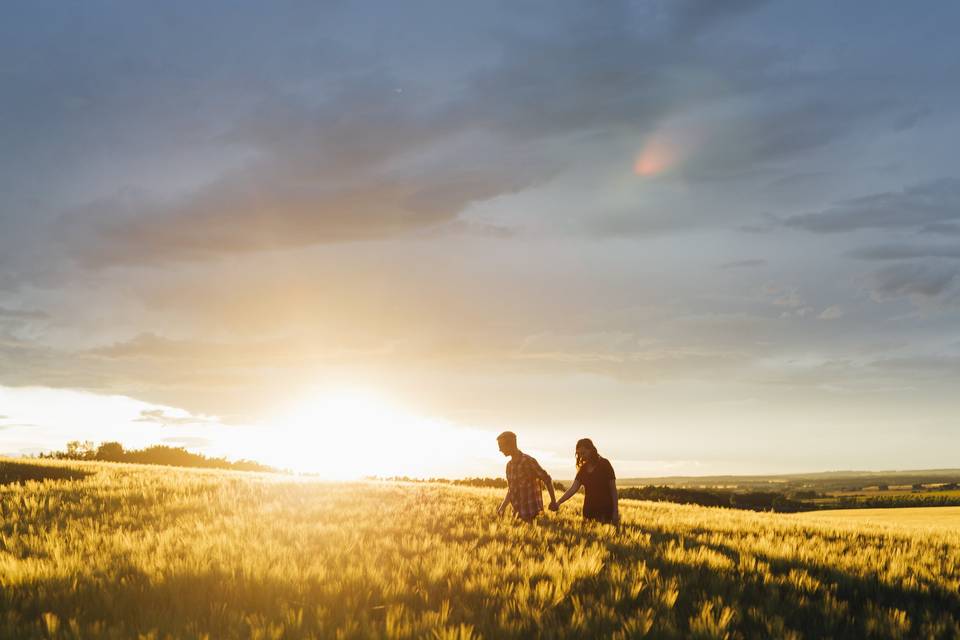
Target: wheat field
column 148, row 552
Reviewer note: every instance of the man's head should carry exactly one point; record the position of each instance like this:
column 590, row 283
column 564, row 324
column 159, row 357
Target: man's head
column 508, row 443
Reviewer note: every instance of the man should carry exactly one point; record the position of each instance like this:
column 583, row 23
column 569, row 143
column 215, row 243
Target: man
column 523, row 481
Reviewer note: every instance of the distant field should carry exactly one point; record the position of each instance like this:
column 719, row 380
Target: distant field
column 128, row 551
column 824, row 482
column 805, row 492
column 892, row 492
column 946, row 518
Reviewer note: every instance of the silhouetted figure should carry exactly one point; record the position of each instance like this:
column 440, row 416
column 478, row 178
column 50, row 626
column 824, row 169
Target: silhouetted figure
column 524, row 475
column 596, row 476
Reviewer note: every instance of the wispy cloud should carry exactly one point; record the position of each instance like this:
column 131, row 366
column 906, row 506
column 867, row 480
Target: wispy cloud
column 833, row 312
column 915, row 207
column 742, row 264
column 906, row 252
column 164, row 418
column 22, row 314
column 913, row 279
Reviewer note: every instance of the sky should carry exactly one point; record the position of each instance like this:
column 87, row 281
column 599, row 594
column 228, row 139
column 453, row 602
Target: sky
column 712, row 237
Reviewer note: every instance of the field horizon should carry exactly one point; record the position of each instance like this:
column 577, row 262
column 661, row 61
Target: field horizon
column 933, row 474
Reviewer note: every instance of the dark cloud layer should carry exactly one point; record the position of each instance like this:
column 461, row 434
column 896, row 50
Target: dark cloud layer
column 364, row 159
column 340, row 135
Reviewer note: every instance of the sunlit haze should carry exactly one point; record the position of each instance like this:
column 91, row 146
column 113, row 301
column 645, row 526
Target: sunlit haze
column 714, row 237
column 353, row 433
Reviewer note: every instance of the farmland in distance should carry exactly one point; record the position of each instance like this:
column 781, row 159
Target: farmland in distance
column 939, row 518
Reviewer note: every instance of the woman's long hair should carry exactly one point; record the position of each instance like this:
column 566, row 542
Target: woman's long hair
column 586, row 443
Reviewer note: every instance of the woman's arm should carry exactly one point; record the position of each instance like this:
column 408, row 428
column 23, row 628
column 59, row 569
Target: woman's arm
column 548, row 481
column 570, row 492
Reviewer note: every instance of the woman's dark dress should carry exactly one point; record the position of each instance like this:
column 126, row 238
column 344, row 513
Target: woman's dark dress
column 598, row 503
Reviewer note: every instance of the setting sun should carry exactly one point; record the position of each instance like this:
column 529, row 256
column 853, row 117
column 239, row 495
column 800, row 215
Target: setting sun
column 346, row 434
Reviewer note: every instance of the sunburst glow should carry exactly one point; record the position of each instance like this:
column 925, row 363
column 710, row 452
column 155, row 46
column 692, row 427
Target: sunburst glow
column 349, row 434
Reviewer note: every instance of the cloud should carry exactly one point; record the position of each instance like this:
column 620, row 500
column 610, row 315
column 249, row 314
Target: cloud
column 360, row 160
column 33, row 363
column 694, row 16
column 22, row 314
column 906, row 252
column 773, row 127
column 146, row 345
column 942, row 228
column 207, row 377
column 605, row 67
column 781, row 296
column 288, row 204
column 196, row 442
column 164, row 418
column 931, row 365
column 918, row 280
column 741, row 264
column 917, row 207
column 833, row 312
column 303, row 154
column 624, row 356
column 766, row 224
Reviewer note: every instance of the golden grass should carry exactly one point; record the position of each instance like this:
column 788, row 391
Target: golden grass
column 155, row 552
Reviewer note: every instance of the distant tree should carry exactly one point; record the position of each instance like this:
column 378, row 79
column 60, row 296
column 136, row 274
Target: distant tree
column 78, row 450
column 883, row 487
column 110, row 451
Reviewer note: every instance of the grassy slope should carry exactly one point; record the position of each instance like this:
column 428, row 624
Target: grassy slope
column 131, row 550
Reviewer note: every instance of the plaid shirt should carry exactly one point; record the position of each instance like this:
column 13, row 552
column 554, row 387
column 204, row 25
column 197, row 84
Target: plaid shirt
column 523, row 480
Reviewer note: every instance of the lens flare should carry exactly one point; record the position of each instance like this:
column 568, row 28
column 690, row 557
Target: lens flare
column 657, row 156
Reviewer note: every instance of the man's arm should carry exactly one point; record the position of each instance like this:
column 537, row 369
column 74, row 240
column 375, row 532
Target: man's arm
column 547, row 480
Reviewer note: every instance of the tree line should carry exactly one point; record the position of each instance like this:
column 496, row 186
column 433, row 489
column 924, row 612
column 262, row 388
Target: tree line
column 157, row 454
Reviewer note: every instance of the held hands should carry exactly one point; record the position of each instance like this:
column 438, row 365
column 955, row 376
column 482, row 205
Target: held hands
column 554, row 505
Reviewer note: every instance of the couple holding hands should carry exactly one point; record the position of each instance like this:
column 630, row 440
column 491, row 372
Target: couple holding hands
column 524, row 474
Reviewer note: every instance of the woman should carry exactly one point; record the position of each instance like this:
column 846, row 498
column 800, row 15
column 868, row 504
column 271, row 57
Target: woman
column 595, row 475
